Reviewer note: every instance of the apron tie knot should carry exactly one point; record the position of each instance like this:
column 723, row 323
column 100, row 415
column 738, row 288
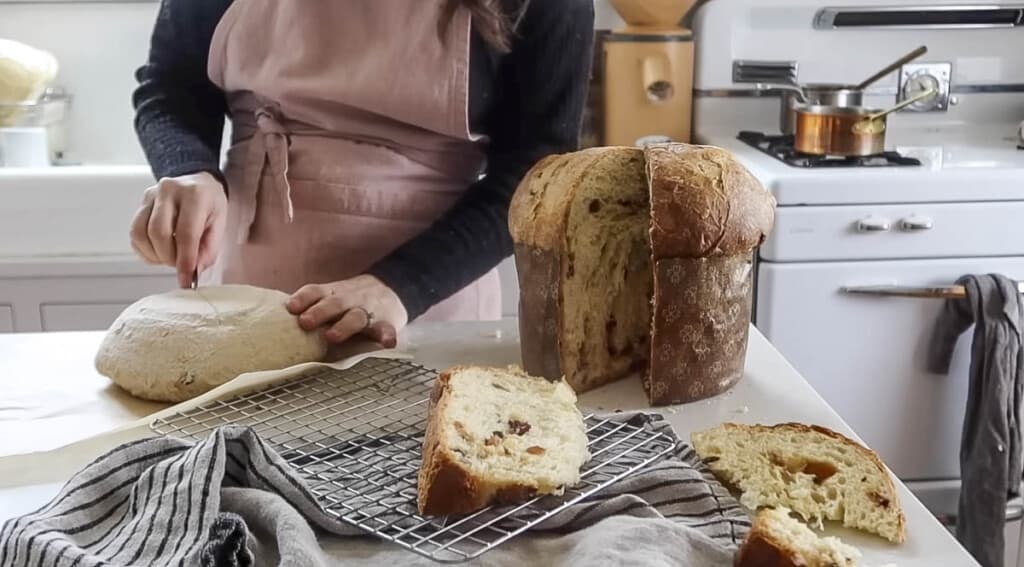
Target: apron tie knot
column 268, row 147
column 269, row 122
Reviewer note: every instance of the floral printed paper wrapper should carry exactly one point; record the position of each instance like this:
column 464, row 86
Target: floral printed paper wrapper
column 539, row 311
column 702, row 313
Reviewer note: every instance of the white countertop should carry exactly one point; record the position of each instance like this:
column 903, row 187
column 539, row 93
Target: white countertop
column 50, row 396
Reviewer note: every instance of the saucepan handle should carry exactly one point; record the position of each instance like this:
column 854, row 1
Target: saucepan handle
column 795, row 89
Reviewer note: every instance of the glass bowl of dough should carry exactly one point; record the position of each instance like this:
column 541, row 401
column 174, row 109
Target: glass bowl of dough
column 32, row 134
column 25, row 75
column 32, row 110
column 46, row 111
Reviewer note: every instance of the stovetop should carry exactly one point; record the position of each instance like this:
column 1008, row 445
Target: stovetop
column 781, row 148
column 958, row 163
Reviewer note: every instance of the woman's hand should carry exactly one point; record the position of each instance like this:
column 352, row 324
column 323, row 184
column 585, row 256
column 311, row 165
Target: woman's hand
column 181, row 223
column 362, row 304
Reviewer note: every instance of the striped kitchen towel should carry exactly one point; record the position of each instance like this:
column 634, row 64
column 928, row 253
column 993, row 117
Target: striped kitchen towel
column 165, row 501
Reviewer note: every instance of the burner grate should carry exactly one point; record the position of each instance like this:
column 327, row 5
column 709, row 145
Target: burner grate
column 781, row 148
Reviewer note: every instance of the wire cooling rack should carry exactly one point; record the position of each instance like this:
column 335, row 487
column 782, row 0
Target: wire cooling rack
column 355, row 436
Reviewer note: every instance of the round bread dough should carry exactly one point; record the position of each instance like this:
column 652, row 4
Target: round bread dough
column 174, row 346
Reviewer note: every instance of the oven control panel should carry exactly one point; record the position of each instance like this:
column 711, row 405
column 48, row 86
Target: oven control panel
column 886, row 232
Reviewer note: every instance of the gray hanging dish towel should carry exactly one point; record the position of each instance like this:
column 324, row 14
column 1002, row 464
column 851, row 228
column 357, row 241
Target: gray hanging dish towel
column 990, row 449
column 231, row 500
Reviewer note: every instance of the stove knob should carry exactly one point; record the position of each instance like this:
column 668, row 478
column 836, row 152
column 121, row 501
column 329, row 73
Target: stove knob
column 919, row 83
column 915, row 223
column 873, row 224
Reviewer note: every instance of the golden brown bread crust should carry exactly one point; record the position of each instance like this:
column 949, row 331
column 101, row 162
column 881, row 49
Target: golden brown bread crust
column 539, row 210
column 760, row 549
column 871, row 455
column 444, row 486
column 704, row 203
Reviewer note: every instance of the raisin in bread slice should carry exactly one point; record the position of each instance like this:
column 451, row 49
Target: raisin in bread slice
column 498, row 436
column 779, row 540
column 816, row 472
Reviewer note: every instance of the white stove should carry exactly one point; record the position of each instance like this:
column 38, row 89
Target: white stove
column 843, row 228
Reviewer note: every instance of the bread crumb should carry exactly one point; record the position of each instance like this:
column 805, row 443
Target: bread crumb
column 461, row 429
column 494, row 439
column 495, row 334
column 743, row 409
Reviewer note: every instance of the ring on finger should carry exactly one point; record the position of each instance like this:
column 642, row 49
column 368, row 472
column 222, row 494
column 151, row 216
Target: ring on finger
column 367, row 313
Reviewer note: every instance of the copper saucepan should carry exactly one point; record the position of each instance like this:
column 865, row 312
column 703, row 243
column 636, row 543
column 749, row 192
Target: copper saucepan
column 844, row 131
column 832, row 94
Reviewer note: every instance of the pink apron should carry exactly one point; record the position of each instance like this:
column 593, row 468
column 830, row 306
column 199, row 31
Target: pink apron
column 350, row 136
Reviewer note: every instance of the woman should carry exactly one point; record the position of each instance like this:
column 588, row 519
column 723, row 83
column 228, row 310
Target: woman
column 360, row 129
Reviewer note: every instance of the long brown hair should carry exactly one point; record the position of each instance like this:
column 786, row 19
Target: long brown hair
column 491, row 19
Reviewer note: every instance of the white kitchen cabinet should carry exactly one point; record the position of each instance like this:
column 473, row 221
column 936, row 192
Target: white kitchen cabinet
column 79, row 316
column 74, row 294
column 6, row 319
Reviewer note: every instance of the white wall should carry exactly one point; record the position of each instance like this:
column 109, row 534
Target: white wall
column 98, row 46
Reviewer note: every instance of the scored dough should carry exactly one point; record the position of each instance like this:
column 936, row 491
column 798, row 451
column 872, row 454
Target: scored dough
column 175, row 346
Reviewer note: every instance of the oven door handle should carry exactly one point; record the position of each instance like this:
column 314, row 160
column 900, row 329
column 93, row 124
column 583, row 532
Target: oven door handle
column 928, row 292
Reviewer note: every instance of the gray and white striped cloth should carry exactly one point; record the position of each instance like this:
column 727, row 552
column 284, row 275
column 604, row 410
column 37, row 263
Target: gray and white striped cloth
column 165, row 501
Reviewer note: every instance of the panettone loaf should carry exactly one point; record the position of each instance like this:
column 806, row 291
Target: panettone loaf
column 498, row 436
column 635, row 260
column 812, row 470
